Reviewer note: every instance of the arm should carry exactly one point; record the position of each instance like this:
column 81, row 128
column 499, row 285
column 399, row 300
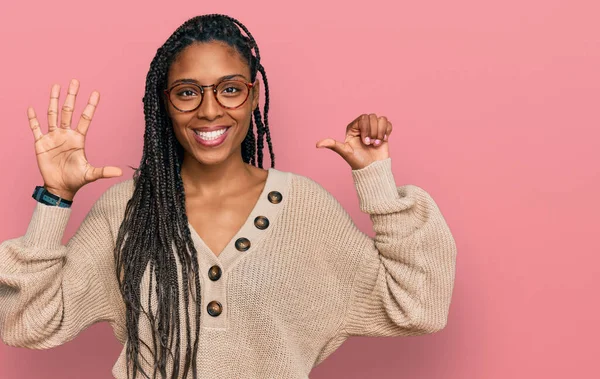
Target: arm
column 404, row 281
column 50, row 292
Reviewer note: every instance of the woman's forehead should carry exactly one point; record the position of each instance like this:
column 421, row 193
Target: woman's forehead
column 207, row 61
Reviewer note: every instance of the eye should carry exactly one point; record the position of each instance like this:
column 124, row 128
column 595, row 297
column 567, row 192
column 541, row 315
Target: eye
column 230, row 89
column 186, row 93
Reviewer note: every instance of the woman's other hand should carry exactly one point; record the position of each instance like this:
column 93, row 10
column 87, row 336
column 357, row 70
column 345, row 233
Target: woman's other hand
column 60, row 152
column 366, row 141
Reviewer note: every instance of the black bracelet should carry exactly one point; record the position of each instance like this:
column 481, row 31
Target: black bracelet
column 43, row 196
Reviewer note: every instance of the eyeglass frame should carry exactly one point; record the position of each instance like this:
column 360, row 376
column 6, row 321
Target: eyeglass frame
column 249, row 85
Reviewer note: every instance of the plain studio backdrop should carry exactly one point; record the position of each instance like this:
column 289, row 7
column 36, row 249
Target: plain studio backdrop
column 495, row 107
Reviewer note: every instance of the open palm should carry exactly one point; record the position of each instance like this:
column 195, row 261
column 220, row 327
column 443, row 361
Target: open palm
column 60, row 153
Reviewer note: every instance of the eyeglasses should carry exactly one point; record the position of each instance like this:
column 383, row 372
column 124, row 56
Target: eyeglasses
column 230, row 94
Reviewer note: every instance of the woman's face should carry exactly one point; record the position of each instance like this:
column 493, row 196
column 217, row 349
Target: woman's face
column 206, row 64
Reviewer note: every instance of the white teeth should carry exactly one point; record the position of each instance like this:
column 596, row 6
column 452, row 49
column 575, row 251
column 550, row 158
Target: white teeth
column 209, row 136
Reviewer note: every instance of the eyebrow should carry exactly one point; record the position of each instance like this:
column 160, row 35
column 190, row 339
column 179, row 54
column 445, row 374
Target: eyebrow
column 190, row 80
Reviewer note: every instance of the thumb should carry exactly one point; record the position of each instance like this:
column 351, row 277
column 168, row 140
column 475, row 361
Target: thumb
column 331, row 144
column 111, row 171
column 96, row 173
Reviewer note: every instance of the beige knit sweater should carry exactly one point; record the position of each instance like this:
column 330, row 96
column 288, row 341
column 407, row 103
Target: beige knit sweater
column 308, row 281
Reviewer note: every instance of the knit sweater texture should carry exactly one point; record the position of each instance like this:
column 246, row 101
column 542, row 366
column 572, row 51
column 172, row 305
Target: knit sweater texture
column 309, row 280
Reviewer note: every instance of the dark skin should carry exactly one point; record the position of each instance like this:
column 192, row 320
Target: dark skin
column 221, row 189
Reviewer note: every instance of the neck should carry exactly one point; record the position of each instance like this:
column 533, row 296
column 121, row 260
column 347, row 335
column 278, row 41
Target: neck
column 200, row 179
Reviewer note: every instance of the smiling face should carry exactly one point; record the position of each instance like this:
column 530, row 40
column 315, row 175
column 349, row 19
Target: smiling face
column 206, row 64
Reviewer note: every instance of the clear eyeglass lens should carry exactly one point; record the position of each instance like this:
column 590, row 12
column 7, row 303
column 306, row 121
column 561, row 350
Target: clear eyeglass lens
column 230, row 93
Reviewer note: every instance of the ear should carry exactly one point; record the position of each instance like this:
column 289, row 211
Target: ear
column 255, row 94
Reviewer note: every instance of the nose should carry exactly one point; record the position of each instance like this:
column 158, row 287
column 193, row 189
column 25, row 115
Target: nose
column 209, row 108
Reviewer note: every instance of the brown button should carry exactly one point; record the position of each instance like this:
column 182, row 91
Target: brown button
column 214, row 308
column 261, row 222
column 275, row 197
column 242, row 244
column 214, row 273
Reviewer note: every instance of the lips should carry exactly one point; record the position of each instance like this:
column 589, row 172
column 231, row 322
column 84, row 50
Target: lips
column 211, row 142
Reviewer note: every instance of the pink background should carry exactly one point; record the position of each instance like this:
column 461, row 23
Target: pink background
column 495, row 109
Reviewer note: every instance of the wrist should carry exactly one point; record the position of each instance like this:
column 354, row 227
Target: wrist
column 66, row 195
column 63, row 194
column 44, row 196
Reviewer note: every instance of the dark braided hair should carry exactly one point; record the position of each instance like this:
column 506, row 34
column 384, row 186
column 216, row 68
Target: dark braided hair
column 154, row 233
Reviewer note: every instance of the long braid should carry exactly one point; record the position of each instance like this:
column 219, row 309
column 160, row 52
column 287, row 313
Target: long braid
column 155, row 233
column 266, row 117
column 249, row 151
column 262, row 127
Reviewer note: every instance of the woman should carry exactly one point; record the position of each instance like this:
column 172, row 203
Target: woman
column 205, row 264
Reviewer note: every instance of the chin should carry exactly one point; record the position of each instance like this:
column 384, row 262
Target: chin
column 215, row 157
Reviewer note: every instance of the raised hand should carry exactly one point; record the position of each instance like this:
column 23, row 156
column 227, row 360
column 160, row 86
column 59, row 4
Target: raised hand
column 366, row 141
column 60, row 152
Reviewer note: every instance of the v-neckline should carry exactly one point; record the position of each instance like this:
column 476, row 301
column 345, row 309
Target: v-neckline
column 229, row 249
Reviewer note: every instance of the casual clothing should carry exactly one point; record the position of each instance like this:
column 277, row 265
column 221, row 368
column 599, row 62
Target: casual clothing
column 308, row 281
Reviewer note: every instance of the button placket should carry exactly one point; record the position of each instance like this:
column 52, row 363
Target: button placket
column 260, row 222
column 213, row 285
column 213, row 297
column 215, row 268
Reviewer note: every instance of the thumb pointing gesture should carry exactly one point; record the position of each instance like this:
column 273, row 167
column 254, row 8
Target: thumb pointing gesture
column 366, row 141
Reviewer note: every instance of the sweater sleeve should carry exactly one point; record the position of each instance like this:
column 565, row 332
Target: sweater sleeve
column 404, row 281
column 50, row 292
